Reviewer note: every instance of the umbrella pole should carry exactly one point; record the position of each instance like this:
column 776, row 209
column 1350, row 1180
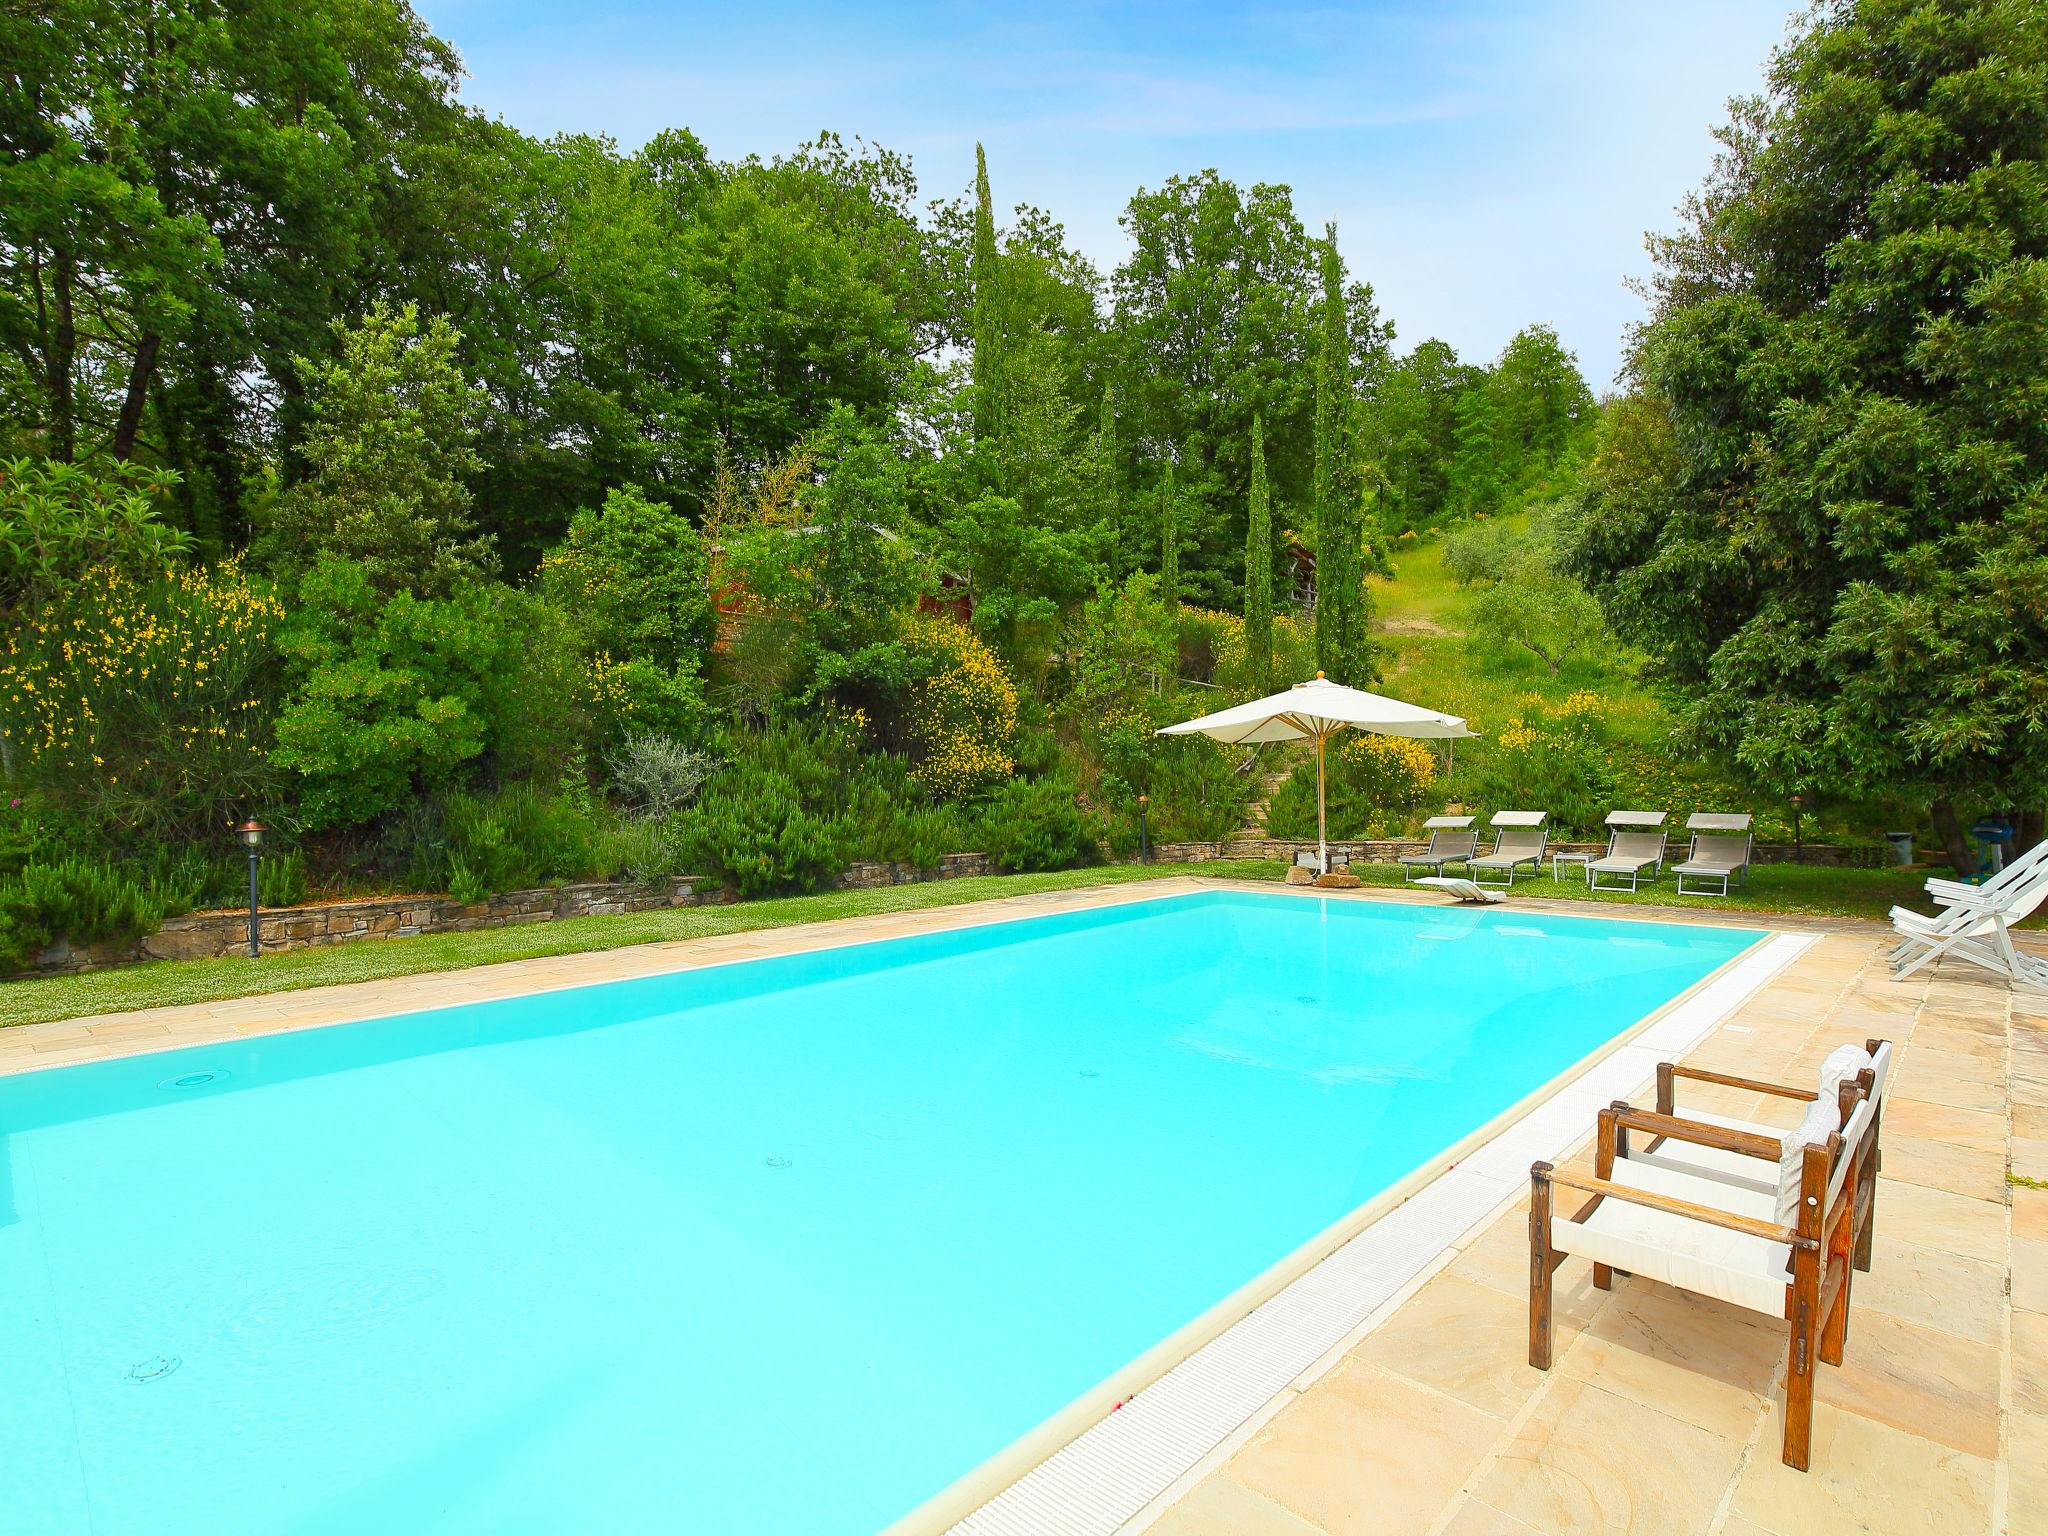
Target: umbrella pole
column 1322, row 834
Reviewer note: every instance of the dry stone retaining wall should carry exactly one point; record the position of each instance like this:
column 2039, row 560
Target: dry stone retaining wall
column 204, row 935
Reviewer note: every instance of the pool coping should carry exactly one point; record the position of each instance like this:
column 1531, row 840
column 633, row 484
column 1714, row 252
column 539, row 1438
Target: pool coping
column 1114, row 1452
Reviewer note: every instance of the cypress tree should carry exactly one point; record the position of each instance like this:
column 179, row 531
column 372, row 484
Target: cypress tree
column 985, row 274
column 1258, row 568
column 1339, row 590
column 1109, row 481
column 1169, row 544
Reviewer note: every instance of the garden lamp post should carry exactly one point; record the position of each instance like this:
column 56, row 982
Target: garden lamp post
column 251, row 834
column 1798, row 846
column 1144, row 837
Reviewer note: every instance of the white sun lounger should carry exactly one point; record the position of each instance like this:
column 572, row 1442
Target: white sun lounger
column 1451, row 841
column 1519, row 838
column 1635, row 844
column 1721, row 846
column 1464, row 890
column 2016, row 869
column 1977, row 928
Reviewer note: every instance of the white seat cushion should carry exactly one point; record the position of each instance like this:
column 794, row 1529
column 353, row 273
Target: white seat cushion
column 1745, row 1271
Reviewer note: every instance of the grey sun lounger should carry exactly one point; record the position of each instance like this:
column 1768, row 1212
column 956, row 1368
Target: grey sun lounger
column 1519, row 838
column 1451, row 841
column 1635, row 848
column 1721, row 846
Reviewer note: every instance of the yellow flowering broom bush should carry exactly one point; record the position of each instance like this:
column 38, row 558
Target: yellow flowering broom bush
column 146, row 704
column 963, row 714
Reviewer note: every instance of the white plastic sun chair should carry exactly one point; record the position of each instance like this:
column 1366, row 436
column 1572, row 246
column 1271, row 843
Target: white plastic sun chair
column 1721, row 848
column 1977, row 928
column 1463, row 889
column 1635, row 844
column 1519, row 838
column 1451, row 841
column 1786, row 1254
column 1866, row 1068
column 2016, row 870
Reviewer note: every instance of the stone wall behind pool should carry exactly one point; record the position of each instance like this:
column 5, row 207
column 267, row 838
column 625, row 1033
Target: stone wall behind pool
column 205, row 935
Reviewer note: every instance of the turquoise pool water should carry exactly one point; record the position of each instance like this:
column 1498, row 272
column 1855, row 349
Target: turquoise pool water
column 778, row 1247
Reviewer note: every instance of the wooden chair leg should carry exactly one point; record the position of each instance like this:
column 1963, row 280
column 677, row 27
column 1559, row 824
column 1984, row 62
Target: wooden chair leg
column 1834, row 1328
column 1541, row 1267
column 1866, row 1213
column 1866, row 1222
column 1866, row 1204
column 1803, row 1309
column 1834, row 1333
column 1610, row 1143
column 1798, row 1450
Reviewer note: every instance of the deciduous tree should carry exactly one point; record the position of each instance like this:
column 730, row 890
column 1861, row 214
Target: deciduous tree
column 1829, row 520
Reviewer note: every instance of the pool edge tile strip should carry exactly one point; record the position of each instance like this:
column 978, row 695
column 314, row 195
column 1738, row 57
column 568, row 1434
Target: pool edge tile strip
column 1112, row 1471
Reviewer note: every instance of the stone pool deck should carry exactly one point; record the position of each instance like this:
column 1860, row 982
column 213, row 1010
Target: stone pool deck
column 1660, row 1414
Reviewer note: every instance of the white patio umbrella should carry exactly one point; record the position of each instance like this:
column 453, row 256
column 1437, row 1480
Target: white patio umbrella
column 1317, row 711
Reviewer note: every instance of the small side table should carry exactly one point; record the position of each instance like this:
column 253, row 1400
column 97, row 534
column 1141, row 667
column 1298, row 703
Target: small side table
column 1583, row 860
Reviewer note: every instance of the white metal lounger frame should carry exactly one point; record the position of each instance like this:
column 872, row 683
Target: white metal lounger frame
column 1504, row 823
column 1437, row 855
column 1716, row 828
column 2016, row 869
column 1977, row 927
column 1644, row 827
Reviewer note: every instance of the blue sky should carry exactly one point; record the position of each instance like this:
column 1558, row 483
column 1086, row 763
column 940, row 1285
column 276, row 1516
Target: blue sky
column 1488, row 164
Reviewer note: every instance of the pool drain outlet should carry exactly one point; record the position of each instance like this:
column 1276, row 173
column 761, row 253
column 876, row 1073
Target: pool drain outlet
column 776, row 1162
column 156, row 1368
column 200, row 1079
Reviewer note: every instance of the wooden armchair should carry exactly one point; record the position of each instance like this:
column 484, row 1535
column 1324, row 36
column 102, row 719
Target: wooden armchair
column 1746, row 1172
column 1687, row 1231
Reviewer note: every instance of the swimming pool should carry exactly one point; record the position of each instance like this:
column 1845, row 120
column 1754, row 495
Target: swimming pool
column 781, row 1246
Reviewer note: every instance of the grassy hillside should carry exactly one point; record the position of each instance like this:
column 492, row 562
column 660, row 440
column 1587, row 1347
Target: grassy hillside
column 1423, row 621
column 1585, row 739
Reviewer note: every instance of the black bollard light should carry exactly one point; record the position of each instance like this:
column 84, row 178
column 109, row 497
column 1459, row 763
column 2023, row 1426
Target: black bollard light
column 251, row 834
column 1798, row 846
column 1144, row 836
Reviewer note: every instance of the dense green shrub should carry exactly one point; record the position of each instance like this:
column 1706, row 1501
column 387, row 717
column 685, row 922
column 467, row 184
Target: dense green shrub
column 24, row 832
column 281, row 879
column 632, row 576
column 753, row 828
column 795, row 803
column 1480, row 552
column 390, row 694
column 1035, row 824
column 1554, row 758
column 516, row 839
column 82, row 901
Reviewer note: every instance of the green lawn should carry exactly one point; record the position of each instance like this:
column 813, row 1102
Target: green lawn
column 163, row 982
column 1779, row 888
